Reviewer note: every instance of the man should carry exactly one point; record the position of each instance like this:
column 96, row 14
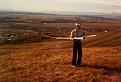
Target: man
column 77, row 32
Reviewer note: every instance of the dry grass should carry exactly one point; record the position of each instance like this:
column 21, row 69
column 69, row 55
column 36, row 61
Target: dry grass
column 51, row 61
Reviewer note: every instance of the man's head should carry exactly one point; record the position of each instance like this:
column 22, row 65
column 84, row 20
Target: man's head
column 78, row 26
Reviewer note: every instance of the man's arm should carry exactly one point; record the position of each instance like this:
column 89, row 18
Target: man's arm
column 71, row 35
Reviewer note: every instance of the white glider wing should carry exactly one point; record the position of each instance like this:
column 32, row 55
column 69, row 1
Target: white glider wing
column 91, row 36
column 66, row 38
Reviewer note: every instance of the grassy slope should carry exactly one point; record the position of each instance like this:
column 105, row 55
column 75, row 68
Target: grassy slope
column 109, row 39
column 51, row 61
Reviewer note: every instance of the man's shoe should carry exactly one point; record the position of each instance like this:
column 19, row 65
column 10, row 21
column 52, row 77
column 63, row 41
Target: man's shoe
column 73, row 66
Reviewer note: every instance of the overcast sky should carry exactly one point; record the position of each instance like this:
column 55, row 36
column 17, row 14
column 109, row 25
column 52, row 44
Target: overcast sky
column 62, row 5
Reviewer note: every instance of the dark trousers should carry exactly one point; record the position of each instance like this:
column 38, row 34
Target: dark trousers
column 77, row 48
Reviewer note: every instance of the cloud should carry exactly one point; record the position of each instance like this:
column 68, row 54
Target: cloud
column 62, row 5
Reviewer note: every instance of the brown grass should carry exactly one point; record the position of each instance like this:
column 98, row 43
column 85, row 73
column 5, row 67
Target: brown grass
column 51, row 61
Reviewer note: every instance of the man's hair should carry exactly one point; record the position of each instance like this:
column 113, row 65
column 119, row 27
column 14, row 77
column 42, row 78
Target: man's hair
column 77, row 24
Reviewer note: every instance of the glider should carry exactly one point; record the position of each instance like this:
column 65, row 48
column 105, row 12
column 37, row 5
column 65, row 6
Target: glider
column 66, row 38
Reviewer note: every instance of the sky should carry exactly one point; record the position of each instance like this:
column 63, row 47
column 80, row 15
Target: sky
column 106, row 6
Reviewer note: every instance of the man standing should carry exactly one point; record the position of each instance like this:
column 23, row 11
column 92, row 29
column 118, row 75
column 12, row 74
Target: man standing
column 77, row 32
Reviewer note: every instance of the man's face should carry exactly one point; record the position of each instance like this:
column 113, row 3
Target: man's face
column 78, row 27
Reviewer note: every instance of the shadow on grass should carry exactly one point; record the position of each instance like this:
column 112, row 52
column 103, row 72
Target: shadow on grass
column 109, row 70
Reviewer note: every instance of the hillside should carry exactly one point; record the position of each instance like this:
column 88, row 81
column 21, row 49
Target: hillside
column 51, row 61
column 109, row 39
column 27, row 56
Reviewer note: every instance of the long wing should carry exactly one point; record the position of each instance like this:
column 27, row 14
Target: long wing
column 66, row 38
column 90, row 36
